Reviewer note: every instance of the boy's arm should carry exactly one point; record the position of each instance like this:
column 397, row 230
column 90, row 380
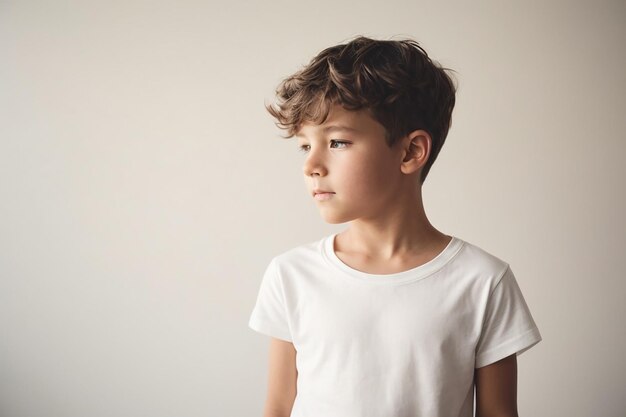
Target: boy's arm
column 496, row 388
column 282, row 378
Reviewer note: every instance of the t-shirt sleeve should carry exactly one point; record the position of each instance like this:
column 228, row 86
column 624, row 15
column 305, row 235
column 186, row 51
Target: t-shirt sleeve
column 508, row 325
column 269, row 315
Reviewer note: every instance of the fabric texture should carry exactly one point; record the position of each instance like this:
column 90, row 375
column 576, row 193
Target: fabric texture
column 403, row 344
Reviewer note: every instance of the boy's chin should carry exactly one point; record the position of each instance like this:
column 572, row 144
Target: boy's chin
column 335, row 219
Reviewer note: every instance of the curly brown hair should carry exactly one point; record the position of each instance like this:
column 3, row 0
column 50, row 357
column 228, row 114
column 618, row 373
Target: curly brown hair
column 395, row 79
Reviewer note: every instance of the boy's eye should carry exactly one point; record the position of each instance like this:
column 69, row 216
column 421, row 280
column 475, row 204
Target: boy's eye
column 304, row 148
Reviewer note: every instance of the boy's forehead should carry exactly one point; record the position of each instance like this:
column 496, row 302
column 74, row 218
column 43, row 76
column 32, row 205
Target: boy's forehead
column 339, row 119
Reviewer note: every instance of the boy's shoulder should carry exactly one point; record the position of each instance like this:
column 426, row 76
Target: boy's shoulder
column 480, row 267
column 307, row 250
column 476, row 256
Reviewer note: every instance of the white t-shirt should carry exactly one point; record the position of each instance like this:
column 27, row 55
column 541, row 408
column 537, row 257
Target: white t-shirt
column 396, row 345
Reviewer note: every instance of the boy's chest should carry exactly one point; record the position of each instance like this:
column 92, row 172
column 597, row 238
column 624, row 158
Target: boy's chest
column 351, row 322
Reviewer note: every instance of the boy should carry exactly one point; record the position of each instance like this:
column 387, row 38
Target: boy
column 390, row 317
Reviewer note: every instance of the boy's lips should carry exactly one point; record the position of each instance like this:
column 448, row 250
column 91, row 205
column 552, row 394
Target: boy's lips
column 323, row 196
column 318, row 191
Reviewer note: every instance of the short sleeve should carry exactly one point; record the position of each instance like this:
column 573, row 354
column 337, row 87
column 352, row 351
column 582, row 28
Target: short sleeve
column 508, row 326
column 269, row 314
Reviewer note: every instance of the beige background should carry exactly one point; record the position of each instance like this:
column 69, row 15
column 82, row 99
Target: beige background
column 144, row 189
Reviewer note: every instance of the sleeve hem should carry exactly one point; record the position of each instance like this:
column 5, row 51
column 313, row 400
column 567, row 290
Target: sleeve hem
column 268, row 329
column 518, row 345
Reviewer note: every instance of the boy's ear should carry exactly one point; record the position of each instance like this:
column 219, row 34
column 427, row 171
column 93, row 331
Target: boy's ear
column 416, row 148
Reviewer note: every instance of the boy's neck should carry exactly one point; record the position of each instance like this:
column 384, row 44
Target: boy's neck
column 403, row 231
column 391, row 244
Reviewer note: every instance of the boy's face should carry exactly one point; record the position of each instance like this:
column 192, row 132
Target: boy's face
column 355, row 164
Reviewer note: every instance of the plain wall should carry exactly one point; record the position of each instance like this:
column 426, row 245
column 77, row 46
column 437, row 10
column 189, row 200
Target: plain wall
column 144, row 189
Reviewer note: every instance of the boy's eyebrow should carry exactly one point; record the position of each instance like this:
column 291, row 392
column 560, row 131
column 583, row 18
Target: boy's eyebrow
column 333, row 128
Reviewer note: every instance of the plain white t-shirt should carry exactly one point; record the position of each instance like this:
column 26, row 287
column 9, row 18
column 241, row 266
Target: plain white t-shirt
column 395, row 345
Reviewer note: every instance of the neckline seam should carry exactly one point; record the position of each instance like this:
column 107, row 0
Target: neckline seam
column 446, row 255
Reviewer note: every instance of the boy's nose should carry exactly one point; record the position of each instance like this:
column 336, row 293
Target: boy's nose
column 313, row 166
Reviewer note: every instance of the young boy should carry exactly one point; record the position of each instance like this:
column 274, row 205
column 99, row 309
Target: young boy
column 390, row 317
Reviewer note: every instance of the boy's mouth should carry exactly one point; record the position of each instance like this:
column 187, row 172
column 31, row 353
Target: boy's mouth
column 318, row 191
column 323, row 195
